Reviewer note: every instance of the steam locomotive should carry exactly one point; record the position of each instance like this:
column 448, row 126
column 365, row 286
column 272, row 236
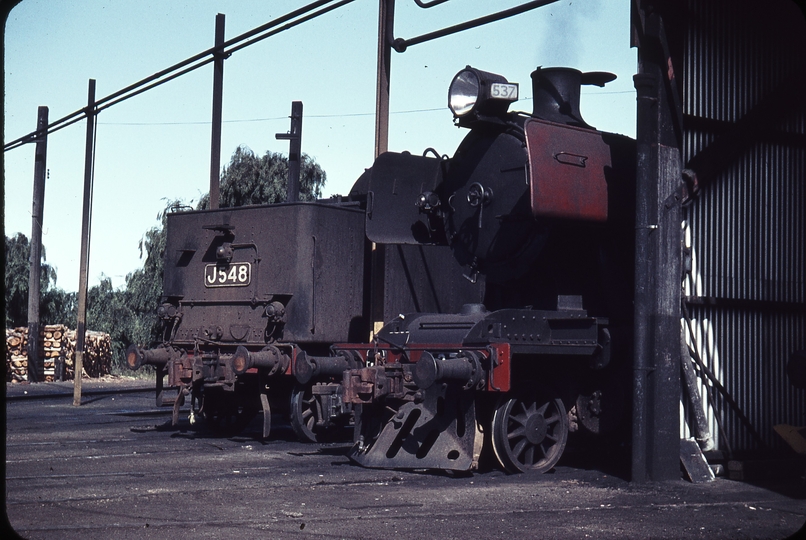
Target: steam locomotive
column 503, row 275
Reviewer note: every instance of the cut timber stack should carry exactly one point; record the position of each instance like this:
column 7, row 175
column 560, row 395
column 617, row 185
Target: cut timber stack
column 57, row 347
column 16, row 354
column 97, row 352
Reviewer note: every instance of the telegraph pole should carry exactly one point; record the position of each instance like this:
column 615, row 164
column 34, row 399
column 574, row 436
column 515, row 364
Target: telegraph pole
column 294, row 138
column 386, row 25
column 218, row 99
column 35, row 259
column 81, row 327
column 386, row 33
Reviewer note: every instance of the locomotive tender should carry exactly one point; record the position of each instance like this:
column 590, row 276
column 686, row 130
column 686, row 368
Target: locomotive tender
column 503, row 273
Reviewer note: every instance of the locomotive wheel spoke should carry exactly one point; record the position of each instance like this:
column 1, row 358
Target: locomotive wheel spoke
column 516, row 433
column 308, row 418
column 519, row 446
column 529, row 434
column 529, row 456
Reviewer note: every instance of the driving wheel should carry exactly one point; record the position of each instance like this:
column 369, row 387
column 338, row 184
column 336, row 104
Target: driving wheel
column 529, row 433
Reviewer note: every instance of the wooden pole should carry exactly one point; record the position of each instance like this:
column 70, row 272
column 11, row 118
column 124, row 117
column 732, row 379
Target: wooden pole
column 294, row 138
column 218, row 99
column 81, row 327
column 386, row 30
column 35, row 259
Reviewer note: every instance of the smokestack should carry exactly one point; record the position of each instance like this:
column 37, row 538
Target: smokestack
column 555, row 92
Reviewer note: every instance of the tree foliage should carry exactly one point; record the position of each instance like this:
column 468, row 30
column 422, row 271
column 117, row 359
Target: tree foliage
column 249, row 179
column 54, row 302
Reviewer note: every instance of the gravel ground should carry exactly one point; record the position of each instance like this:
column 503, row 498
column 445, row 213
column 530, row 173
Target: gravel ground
column 112, row 469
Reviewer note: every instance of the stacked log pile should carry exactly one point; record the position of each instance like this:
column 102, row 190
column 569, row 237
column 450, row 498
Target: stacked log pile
column 16, row 354
column 57, row 348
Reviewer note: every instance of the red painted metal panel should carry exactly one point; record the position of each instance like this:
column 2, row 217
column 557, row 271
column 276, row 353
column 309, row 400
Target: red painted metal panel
column 500, row 379
column 567, row 168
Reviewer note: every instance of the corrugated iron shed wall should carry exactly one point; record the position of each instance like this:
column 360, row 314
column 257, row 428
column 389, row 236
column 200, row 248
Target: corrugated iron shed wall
column 743, row 91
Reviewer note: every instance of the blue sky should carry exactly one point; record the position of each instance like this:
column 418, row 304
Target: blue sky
column 155, row 147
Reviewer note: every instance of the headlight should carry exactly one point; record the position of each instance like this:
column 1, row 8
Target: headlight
column 473, row 90
column 463, row 93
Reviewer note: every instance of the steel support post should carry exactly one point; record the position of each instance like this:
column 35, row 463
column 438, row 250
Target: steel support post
column 35, row 367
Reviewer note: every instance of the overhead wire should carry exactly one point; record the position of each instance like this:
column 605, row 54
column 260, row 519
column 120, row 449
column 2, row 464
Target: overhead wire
column 312, row 116
column 194, row 62
column 199, row 60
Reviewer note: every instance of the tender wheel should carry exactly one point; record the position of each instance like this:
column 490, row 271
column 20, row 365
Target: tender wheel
column 305, row 414
column 529, row 434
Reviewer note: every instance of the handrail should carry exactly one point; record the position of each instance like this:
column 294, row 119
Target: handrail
column 432, row 3
column 400, row 45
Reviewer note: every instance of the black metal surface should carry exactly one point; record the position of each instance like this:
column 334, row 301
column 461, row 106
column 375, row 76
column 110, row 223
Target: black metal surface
column 435, row 431
column 465, row 369
column 425, row 279
column 395, row 186
column 539, row 332
column 307, row 367
column 314, row 268
column 555, row 93
column 489, row 224
column 430, row 328
column 249, row 293
column 515, row 264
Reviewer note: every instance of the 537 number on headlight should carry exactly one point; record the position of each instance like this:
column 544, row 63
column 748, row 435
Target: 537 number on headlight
column 231, row 275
